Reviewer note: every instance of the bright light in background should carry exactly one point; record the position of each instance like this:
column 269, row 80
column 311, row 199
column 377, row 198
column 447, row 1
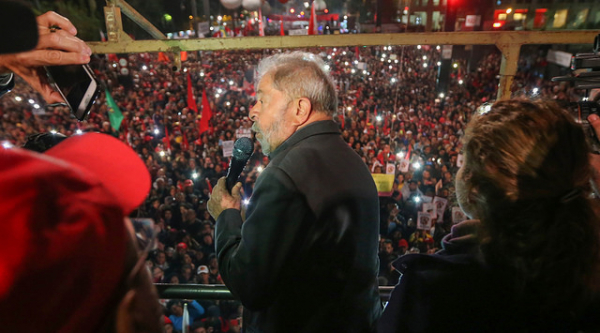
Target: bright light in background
column 417, row 199
column 31, row 101
column 306, row 4
column 425, row 65
column 417, row 165
column 396, row 61
column 327, row 67
column 344, row 53
column 389, row 61
column 455, row 65
column 219, row 91
column 383, row 55
column 535, row 90
column 194, row 175
column 334, row 49
column 53, row 131
column 460, row 81
column 488, row 108
column 246, row 202
column 418, row 47
column 161, row 153
column 79, row 131
column 390, row 67
column 201, row 73
column 349, row 108
column 508, row 11
column 400, row 154
column 424, row 57
column 356, row 62
column 353, row 70
column 260, row 169
column 219, row 18
column 7, row 144
column 438, row 47
column 365, row 72
column 228, row 104
column 439, row 63
column 382, row 59
column 346, row 63
column 231, row 82
column 378, row 118
column 217, row 95
column 345, row 17
column 442, row 95
column 156, row 131
column 144, row 67
column 18, row 98
column 114, row 65
column 394, row 80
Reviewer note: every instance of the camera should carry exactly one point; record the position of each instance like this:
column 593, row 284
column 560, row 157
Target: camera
column 586, row 76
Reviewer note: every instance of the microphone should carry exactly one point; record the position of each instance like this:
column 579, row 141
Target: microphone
column 242, row 150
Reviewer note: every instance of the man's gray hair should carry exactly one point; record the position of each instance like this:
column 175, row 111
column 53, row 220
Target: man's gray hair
column 301, row 74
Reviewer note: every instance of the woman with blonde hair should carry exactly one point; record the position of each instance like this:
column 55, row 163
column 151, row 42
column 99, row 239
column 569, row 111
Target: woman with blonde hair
column 532, row 262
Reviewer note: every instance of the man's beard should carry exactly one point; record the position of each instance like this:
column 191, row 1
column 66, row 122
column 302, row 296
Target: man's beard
column 266, row 135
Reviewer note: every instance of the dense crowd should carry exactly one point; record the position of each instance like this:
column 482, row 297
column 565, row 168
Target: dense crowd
column 389, row 112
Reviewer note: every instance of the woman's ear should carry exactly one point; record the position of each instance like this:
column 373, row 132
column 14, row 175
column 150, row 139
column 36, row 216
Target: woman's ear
column 125, row 318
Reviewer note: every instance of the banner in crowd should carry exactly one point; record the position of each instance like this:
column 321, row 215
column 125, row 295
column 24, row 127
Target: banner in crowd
column 228, row 148
column 460, row 159
column 390, row 169
column 384, row 183
column 429, row 208
column 458, row 215
column 404, row 165
column 114, row 114
column 440, row 208
column 423, row 221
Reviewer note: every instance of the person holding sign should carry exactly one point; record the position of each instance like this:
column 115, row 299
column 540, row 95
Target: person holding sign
column 532, row 263
column 305, row 258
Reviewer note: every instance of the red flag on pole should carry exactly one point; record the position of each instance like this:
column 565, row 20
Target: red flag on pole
column 191, row 101
column 209, row 185
column 357, row 53
column 261, row 28
column 312, row 23
column 281, row 32
column 342, row 119
column 206, row 114
column 185, row 144
column 166, row 139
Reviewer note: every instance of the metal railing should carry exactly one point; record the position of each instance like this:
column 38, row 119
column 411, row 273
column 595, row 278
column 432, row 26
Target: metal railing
column 217, row 292
column 508, row 42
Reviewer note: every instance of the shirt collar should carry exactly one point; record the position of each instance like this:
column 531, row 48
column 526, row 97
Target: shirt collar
column 318, row 127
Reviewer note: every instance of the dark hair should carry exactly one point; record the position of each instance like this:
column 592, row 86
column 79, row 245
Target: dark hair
column 527, row 176
column 41, row 142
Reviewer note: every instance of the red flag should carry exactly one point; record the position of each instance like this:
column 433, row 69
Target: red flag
column 183, row 55
column 209, row 185
column 312, row 22
column 357, row 53
column 206, row 114
column 166, row 139
column 368, row 118
column 407, row 157
column 261, row 28
column 163, row 57
column 342, row 119
column 191, row 101
column 185, row 144
column 385, row 122
column 281, row 32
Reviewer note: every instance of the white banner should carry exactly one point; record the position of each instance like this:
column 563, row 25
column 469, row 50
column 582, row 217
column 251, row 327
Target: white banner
column 423, row 221
column 458, row 215
column 440, row 208
column 227, row 148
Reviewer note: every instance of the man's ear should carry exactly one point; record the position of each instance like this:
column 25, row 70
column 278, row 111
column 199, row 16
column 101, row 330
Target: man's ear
column 302, row 111
column 125, row 319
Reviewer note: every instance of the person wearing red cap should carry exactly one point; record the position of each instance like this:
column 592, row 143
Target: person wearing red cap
column 63, row 216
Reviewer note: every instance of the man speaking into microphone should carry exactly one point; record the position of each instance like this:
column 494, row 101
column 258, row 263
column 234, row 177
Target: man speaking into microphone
column 305, row 257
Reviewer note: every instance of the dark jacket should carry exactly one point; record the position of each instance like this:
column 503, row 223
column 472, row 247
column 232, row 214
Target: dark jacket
column 305, row 259
column 456, row 291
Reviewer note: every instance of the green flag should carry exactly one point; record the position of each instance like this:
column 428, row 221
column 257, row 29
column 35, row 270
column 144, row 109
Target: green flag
column 114, row 114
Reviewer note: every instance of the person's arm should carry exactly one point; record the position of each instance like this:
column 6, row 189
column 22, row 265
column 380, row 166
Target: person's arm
column 195, row 310
column 55, row 47
column 252, row 257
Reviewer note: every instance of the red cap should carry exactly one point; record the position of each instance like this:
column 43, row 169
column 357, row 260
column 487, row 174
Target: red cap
column 189, row 182
column 63, row 242
column 403, row 243
column 182, row 246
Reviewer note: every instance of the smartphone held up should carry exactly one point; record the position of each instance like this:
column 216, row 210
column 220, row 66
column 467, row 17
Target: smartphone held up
column 77, row 85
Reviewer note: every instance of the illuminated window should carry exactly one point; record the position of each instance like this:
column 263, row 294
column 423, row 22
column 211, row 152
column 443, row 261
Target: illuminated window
column 560, row 18
column 502, row 17
column 519, row 16
column 580, row 19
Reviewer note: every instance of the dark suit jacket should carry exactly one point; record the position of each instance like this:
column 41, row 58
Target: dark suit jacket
column 305, row 259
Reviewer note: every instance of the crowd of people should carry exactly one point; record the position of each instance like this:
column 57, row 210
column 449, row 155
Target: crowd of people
column 389, row 112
